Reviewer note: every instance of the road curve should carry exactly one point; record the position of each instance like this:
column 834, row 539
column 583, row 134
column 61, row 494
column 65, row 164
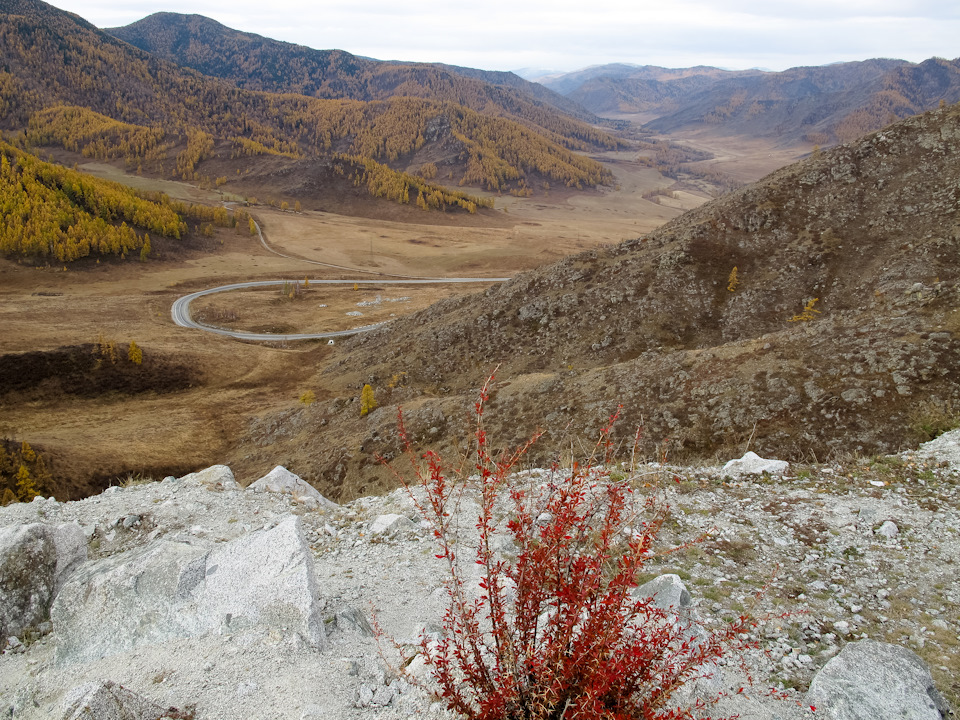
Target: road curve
column 180, row 311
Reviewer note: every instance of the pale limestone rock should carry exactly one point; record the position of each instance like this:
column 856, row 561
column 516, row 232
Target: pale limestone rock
column 108, row 701
column 667, row 591
column 888, row 530
column 753, row 464
column 281, row 480
column 390, row 524
column 215, row 477
column 28, row 559
column 168, row 590
column 870, row 680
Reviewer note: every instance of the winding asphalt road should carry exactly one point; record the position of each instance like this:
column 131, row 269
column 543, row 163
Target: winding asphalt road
column 180, row 312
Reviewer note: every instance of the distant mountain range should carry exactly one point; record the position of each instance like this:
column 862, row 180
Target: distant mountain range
column 821, row 105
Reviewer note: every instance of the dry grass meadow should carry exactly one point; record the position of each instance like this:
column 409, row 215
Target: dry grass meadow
column 93, row 440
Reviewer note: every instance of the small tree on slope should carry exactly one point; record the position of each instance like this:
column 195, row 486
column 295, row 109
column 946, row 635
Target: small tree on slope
column 555, row 634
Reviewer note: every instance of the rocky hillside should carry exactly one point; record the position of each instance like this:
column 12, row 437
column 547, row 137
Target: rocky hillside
column 196, row 598
column 814, row 313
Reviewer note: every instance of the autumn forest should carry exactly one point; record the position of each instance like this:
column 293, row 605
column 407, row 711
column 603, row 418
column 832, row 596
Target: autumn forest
column 65, row 84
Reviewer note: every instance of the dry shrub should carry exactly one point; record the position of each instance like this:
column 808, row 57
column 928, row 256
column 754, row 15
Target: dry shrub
column 556, row 631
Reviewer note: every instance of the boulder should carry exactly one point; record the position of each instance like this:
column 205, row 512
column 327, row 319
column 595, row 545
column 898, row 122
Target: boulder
column 670, row 595
column 134, row 598
column 168, row 590
column 108, row 701
column 870, row 680
column 281, row 480
column 391, row 524
column 70, row 543
column 265, row 578
column 667, row 591
column 888, row 530
column 215, row 477
column 753, row 464
column 28, row 560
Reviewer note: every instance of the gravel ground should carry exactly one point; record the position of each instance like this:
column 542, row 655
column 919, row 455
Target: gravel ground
column 864, row 549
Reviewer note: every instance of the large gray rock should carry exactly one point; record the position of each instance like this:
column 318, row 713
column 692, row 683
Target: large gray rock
column 265, row 578
column 108, row 701
column 391, row 524
column 667, row 592
column 70, row 543
column 870, row 680
column 168, row 590
column 281, row 480
column 670, row 595
column 215, row 477
column 28, row 560
column 753, row 464
column 35, row 560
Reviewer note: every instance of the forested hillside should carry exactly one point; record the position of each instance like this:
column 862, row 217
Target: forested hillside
column 258, row 63
column 52, row 59
column 53, row 213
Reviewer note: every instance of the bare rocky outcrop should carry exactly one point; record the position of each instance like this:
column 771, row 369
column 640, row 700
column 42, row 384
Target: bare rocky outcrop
column 226, row 602
column 108, row 701
column 870, row 680
column 169, row 590
column 281, row 480
column 35, row 561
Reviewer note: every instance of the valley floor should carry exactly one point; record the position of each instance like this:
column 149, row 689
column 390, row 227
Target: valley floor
column 90, row 440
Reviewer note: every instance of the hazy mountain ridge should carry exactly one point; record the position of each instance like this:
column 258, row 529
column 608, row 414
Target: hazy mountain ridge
column 568, row 83
column 820, row 105
column 840, row 329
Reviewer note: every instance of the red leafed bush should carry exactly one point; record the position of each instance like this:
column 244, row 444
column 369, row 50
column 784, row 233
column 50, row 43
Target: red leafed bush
column 554, row 632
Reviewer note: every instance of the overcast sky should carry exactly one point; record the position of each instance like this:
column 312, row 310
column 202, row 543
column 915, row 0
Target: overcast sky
column 565, row 35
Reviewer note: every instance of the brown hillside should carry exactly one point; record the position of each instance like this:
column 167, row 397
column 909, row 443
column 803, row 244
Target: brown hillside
column 861, row 240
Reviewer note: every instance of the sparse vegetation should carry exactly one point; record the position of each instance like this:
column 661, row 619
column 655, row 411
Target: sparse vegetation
column 808, row 313
column 367, row 400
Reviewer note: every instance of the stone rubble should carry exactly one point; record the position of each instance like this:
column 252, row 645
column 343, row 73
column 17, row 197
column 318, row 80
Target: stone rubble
column 197, row 594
